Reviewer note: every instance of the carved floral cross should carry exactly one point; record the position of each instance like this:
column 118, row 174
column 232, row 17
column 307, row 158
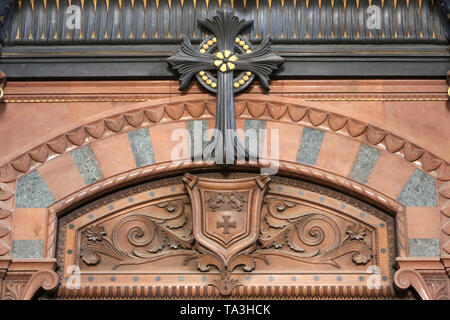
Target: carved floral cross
column 225, row 52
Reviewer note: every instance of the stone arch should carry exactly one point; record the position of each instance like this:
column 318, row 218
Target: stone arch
column 52, row 156
column 197, row 107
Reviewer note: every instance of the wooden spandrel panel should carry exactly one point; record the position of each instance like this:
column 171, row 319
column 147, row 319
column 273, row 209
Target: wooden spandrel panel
column 312, row 241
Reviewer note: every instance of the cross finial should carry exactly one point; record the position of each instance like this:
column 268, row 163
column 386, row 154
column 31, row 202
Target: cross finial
column 214, row 64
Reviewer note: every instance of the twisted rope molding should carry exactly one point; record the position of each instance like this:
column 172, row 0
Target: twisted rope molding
column 293, row 169
column 256, row 108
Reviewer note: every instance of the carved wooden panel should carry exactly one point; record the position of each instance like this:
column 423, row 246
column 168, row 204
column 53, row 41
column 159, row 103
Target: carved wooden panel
column 300, row 21
column 309, row 241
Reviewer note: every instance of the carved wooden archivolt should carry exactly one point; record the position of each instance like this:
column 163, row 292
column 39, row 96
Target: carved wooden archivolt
column 205, row 236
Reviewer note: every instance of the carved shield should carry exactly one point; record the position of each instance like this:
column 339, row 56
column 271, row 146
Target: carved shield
column 226, row 213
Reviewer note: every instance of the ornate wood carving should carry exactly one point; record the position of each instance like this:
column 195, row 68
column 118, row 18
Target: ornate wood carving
column 25, row 285
column 224, row 52
column 421, row 21
column 427, row 276
column 405, row 278
column 226, row 222
column 153, row 236
column 291, row 169
column 14, row 288
column 288, row 236
column 45, row 279
column 431, row 284
column 438, row 283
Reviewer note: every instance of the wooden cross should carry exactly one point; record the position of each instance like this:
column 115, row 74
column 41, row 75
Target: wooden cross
column 226, row 224
column 225, row 52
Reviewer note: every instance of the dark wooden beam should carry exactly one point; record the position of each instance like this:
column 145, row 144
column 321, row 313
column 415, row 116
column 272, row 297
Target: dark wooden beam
column 149, row 61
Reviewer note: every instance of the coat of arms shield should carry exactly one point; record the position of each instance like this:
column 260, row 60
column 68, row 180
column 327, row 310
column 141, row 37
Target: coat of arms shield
column 226, row 213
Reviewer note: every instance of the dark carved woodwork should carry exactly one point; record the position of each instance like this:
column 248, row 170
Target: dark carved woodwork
column 133, row 39
column 2, row 85
column 5, row 18
column 154, row 235
column 288, row 22
column 445, row 7
column 224, row 51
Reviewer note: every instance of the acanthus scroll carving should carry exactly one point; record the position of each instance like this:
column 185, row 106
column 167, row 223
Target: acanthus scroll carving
column 26, row 287
column 151, row 237
column 405, row 278
column 439, row 289
column 291, row 235
column 13, row 290
column 287, row 236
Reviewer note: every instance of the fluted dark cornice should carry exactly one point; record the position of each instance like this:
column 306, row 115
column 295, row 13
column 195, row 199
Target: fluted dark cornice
column 40, row 22
column 133, row 38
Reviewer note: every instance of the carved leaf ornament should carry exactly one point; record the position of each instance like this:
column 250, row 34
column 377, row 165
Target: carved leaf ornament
column 151, row 238
column 284, row 231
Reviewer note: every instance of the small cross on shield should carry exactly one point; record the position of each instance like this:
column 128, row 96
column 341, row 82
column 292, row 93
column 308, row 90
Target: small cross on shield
column 226, row 213
column 226, row 224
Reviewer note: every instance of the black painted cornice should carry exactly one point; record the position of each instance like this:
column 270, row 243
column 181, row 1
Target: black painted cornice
column 325, row 38
column 42, row 22
column 149, row 61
